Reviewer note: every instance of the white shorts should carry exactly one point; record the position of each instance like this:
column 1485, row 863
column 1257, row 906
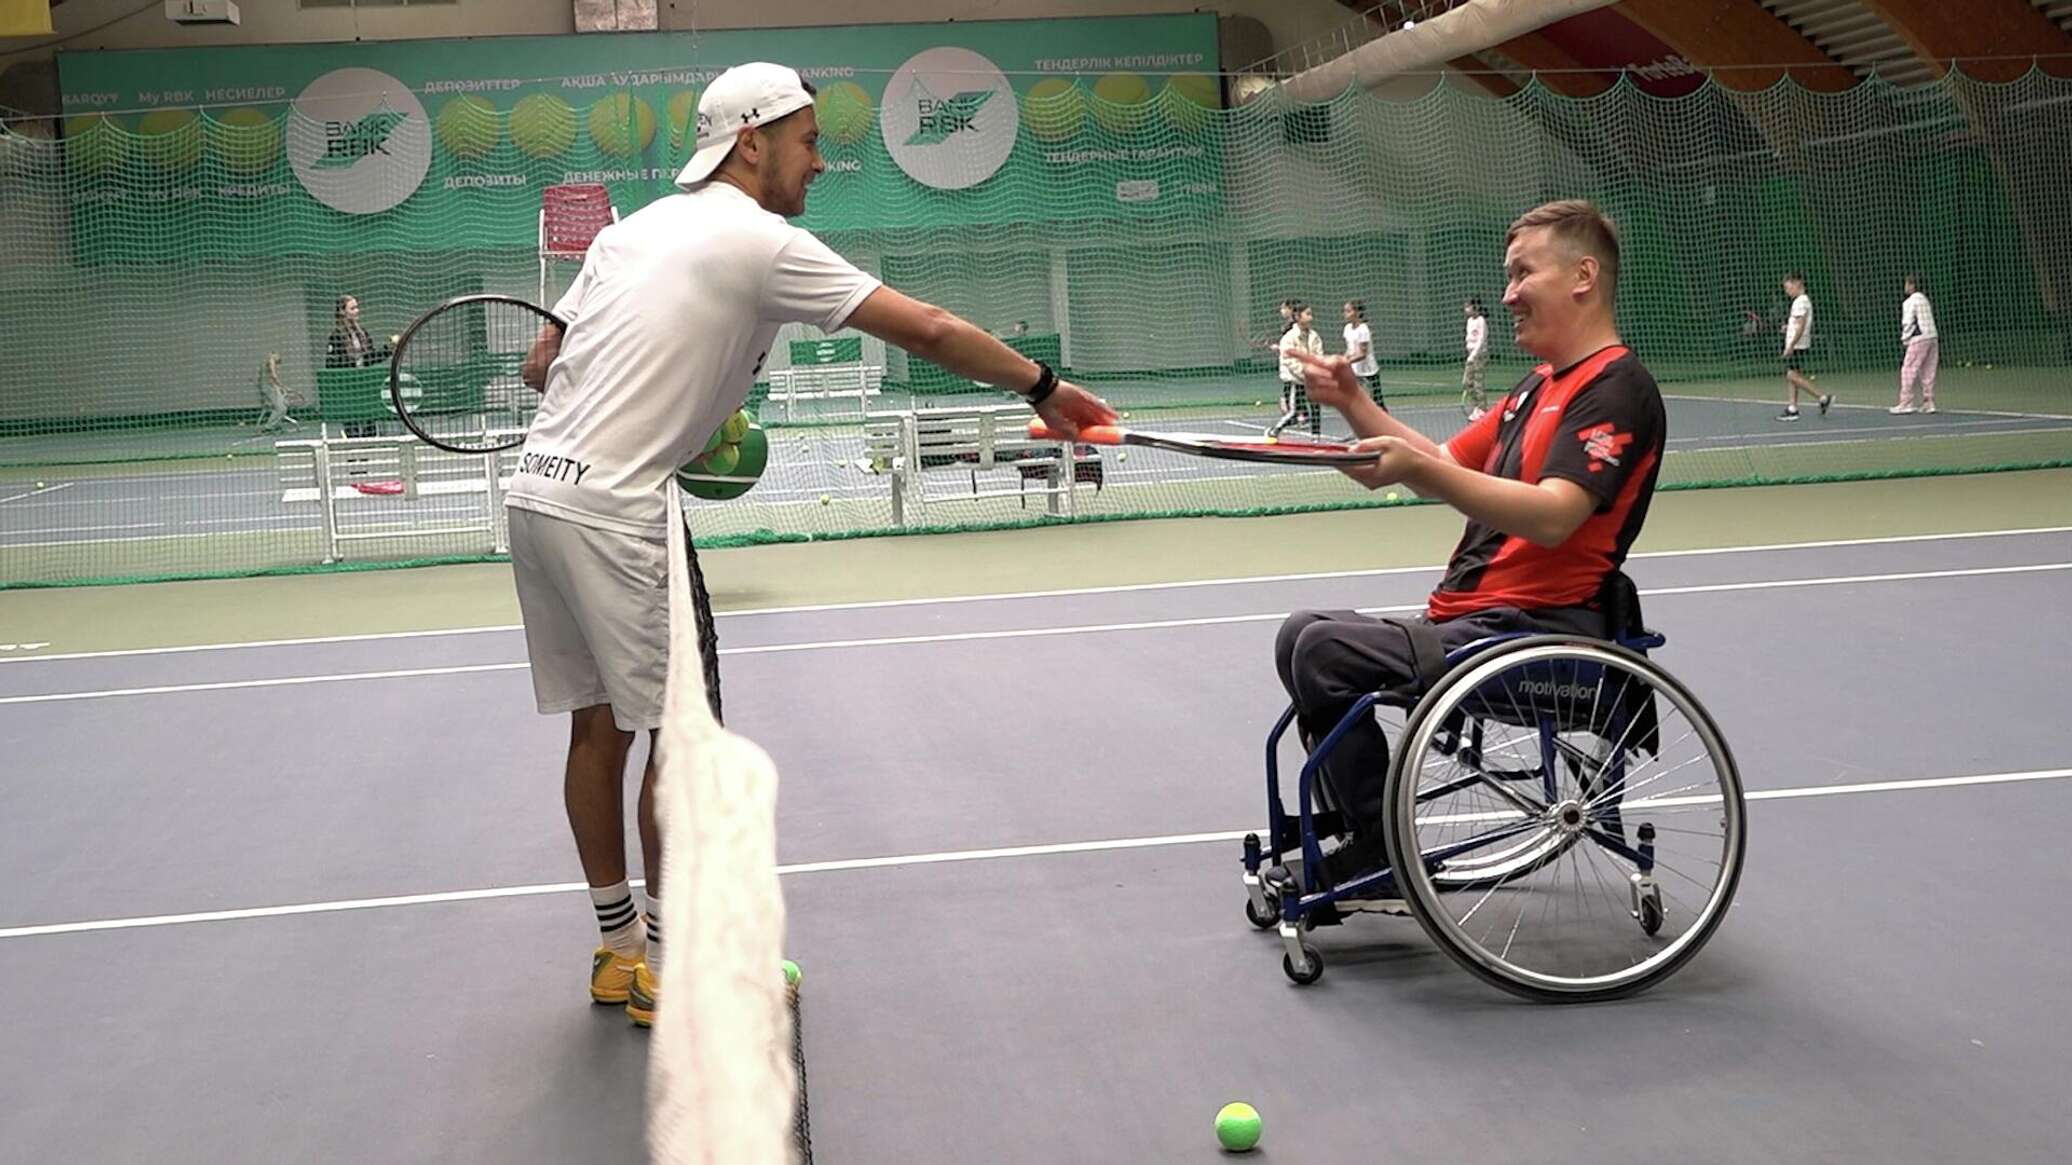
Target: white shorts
column 596, row 610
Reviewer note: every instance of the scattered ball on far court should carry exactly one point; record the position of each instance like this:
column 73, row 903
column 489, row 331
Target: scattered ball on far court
column 1054, row 109
column 826, row 500
column 467, row 126
column 1238, row 1127
column 542, row 125
column 845, row 112
column 622, row 125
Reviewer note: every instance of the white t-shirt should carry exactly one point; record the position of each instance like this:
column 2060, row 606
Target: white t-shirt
column 669, row 322
column 1801, row 308
column 1306, row 339
column 1478, row 337
column 1916, row 319
column 1358, row 338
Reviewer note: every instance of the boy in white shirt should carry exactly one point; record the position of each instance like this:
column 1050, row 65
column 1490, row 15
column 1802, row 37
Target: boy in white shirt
column 1798, row 340
column 1295, row 406
column 1477, row 345
column 1922, row 348
column 1359, row 349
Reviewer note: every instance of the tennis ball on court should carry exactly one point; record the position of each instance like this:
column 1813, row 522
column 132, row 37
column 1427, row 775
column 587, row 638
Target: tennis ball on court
column 39, row 485
column 468, row 126
column 95, row 143
column 169, row 139
column 826, row 501
column 1121, row 98
column 736, row 427
column 1989, row 367
column 792, row 974
column 1054, row 109
column 542, row 125
column 682, row 107
column 1187, row 100
column 845, row 112
column 722, row 460
column 1237, row 1126
column 246, row 140
column 1122, row 455
column 622, row 125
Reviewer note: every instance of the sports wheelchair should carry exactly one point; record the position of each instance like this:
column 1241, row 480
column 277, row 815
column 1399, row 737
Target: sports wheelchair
column 1561, row 815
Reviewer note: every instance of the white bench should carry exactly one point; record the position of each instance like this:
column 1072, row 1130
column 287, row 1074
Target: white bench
column 826, row 382
column 974, row 441
column 329, row 470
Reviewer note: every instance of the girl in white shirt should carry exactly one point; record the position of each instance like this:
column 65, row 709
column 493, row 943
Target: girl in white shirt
column 1295, row 405
column 1359, row 348
column 1477, row 345
column 1922, row 348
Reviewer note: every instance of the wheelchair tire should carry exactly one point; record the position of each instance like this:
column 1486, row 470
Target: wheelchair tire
column 1304, row 978
column 1590, row 856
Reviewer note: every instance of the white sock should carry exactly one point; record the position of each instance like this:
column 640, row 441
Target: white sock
column 654, row 936
column 617, row 919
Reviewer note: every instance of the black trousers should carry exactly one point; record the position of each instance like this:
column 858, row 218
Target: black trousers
column 1329, row 659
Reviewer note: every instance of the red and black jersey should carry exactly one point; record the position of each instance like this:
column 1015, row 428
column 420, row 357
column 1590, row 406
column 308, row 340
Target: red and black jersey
column 1600, row 424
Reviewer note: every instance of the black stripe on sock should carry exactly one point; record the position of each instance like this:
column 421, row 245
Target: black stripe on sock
column 615, row 917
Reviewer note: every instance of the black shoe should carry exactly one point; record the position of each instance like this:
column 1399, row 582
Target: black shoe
column 1826, row 401
column 1364, row 854
column 1788, row 415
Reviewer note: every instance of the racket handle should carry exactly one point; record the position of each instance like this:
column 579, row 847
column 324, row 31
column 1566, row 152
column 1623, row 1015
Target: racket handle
column 1090, row 434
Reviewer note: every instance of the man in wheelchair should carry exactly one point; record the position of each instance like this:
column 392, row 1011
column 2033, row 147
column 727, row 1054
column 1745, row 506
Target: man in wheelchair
column 1555, row 483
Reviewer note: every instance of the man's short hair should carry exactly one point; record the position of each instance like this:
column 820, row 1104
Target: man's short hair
column 1579, row 225
column 1795, row 277
column 1359, row 307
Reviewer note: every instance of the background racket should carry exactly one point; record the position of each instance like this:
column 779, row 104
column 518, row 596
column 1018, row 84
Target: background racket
column 454, row 378
column 1286, row 451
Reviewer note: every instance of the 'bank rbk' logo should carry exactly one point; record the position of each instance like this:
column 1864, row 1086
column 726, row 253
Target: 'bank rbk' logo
column 942, row 117
column 345, row 143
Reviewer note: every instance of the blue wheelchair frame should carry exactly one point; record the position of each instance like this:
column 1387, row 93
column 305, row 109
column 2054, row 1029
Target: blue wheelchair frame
column 1381, row 882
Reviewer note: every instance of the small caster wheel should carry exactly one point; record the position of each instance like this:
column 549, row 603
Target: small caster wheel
column 1650, row 916
column 1313, row 971
column 1270, row 919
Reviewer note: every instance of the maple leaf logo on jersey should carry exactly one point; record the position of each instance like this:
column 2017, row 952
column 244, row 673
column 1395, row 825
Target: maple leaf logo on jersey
column 1603, row 444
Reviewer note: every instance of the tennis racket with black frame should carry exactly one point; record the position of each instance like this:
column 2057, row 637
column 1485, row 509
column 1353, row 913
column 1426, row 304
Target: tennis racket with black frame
column 1282, row 451
column 456, row 374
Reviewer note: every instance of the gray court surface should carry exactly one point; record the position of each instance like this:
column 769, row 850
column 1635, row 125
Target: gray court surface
column 1889, row 985
column 99, row 505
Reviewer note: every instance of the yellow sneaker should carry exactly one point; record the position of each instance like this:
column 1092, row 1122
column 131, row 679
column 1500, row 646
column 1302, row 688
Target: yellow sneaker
column 640, row 996
column 611, row 975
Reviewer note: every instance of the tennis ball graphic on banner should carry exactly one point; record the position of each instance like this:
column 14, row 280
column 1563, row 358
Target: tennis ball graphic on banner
column 542, row 125
column 1054, row 109
column 360, row 141
column 245, row 140
column 949, row 118
column 1187, row 100
column 622, row 125
column 1120, row 100
column 95, row 144
column 845, row 112
column 682, row 107
column 169, row 139
column 468, row 126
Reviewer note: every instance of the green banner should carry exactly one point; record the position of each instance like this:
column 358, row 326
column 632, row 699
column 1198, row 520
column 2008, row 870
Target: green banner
column 446, row 144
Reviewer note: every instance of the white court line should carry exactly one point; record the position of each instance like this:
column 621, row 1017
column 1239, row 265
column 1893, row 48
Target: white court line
column 1784, row 442
column 1772, row 402
column 1946, row 429
column 904, row 860
column 38, row 491
column 1068, row 592
column 1008, row 633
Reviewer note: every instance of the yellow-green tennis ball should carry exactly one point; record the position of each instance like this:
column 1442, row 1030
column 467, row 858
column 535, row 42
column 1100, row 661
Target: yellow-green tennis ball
column 1054, row 109
column 845, row 112
column 622, row 125
column 1122, row 455
column 701, row 479
column 682, row 107
column 95, row 143
column 1187, row 100
column 542, row 125
column 246, row 140
column 1121, row 97
column 468, row 126
column 826, row 501
column 736, row 427
column 718, row 438
column 39, row 485
column 170, row 139
column 722, row 460
column 792, row 974
column 1237, row 1127
column 1989, row 367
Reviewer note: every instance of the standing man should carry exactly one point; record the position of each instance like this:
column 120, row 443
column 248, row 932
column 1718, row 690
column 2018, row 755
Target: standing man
column 1798, row 341
column 1921, row 350
column 668, row 322
column 1359, row 349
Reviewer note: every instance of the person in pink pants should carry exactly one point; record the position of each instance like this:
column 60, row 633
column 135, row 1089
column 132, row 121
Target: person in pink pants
column 1918, row 339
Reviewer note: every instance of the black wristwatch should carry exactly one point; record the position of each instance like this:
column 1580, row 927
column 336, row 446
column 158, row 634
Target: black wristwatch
column 1046, row 383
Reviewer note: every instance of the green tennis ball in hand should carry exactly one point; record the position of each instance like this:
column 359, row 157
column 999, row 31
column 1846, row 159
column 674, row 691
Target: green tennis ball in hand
column 1237, row 1127
column 736, row 427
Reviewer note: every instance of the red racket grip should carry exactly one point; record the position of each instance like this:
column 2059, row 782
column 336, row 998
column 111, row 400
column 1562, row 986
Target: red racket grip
column 1090, row 434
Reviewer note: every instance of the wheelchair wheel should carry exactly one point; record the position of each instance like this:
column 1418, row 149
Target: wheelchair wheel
column 1592, row 843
